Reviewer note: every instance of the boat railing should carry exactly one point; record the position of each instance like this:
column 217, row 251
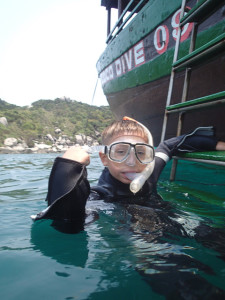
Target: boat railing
column 120, row 24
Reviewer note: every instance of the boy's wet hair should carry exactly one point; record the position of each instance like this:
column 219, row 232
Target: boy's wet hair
column 123, row 127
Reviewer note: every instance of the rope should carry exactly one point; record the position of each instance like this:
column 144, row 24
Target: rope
column 92, row 101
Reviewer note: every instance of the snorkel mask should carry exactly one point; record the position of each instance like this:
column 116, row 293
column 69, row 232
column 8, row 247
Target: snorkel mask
column 139, row 180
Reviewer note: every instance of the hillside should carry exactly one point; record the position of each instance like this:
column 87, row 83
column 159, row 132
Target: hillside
column 43, row 116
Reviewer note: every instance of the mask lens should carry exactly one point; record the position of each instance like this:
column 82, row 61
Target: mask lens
column 144, row 153
column 118, row 152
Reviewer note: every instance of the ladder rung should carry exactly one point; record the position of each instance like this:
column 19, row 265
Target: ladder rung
column 210, row 157
column 191, row 103
column 201, row 10
column 211, row 48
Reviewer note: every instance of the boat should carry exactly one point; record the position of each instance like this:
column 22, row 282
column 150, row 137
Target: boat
column 164, row 64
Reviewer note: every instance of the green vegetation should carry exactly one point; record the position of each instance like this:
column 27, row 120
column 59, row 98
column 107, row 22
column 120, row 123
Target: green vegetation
column 72, row 117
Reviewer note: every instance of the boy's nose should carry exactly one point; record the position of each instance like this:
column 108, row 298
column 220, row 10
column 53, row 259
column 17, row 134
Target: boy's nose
column 131, row 159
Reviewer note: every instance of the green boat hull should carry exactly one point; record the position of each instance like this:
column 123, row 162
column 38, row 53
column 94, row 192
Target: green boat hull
column 135, row 69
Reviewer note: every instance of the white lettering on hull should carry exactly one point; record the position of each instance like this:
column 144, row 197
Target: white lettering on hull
column 136, row 55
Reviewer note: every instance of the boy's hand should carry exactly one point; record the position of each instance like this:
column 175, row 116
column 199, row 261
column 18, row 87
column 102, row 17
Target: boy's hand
column 78, row 154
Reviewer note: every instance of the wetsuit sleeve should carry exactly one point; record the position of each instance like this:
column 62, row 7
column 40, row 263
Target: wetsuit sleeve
column 201, row 139
column 163, row 154
column 68, row 190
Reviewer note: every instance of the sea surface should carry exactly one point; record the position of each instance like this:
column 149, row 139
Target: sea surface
column 113, row 257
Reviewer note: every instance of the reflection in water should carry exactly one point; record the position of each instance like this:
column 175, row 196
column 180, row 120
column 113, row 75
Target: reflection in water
column 174, row 251
column 99, row 251
column 64, row 248
column 133, row 241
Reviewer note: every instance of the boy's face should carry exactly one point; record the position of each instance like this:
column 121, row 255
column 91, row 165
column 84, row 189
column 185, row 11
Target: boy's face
column 130, row 165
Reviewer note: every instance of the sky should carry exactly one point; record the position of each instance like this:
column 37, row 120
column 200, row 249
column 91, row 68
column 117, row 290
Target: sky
column 49, row 49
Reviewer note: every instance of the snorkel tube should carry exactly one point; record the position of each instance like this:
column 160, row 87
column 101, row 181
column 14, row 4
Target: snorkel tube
column 137, row 183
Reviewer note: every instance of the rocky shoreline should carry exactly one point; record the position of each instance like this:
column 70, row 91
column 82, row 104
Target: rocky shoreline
column 52, row 144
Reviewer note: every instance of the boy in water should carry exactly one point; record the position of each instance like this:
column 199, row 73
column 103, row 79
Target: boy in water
column 127, row 153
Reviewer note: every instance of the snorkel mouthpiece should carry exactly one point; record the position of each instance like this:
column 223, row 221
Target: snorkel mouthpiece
column 141, row 178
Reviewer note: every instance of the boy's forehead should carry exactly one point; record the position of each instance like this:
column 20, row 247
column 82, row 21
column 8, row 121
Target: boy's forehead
column 129, row 138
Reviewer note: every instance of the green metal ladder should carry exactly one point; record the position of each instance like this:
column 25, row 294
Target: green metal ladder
column 202, row 10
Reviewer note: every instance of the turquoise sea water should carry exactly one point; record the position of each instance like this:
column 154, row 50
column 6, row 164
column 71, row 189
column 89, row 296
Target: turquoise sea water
column 111, row 258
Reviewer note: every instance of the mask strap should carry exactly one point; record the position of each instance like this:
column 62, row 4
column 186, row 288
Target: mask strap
column 150, row 140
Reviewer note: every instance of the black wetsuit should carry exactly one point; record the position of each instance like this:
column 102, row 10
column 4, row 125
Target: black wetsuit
column 149, row 217
column 69, row 188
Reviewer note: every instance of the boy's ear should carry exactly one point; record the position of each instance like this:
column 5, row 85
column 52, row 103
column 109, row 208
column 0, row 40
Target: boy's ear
column 103, row 158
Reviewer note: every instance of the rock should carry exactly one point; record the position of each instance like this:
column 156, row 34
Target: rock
column 3, row 121
column 18, row 148
column 69, row 142
column 23, row 144
column 58, row 131
column 89, row 140
column 79, row 139
column 42, row 146
column 59, row 147
column 62, row 148
column 49, row 137
column 97, row 133
column 10, row 142
column 54, row 149
column 61, row 144
column 6, row 150
column 95, row 143
column 34, row 149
